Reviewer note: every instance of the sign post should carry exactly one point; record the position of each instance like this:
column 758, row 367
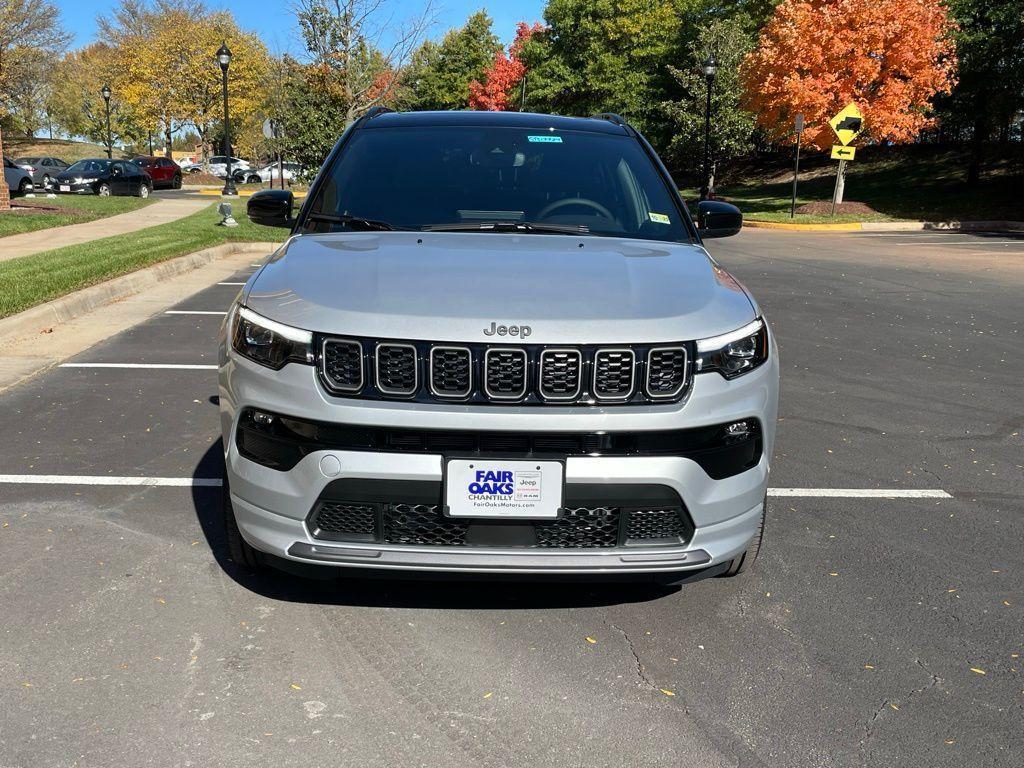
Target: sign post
column 847, row 125
column 799, row 124
column 272, row 130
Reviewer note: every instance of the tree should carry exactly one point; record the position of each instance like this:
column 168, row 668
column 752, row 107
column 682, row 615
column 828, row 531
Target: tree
column 439, row 74
column 814, row 57
column 504, row 75
column 358, row 50
column 728, row 40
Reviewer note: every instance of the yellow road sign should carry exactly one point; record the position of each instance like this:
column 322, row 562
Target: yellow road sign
column 847, row 124
column 839, row 152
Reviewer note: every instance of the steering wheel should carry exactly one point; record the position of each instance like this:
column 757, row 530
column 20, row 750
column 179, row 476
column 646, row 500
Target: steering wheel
column 549, row 209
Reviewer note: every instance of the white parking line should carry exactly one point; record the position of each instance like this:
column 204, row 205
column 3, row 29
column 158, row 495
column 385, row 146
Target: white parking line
column 863, row 493
column 193, row 312
column 141, row 365
column 179, row 482
column 230, row 283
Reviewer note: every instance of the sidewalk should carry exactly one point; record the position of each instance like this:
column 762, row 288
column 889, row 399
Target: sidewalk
column 162, row 211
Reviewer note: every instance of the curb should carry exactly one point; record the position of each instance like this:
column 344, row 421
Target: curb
column 74, row 305
column 893, row 226
column 241, row 193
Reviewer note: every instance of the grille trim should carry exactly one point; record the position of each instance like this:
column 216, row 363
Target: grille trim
column 686, row 373
column 579, row 374
column 394, row 391
column 526, row 373
column 597, row 372
column 430, row 379
column 331, row 383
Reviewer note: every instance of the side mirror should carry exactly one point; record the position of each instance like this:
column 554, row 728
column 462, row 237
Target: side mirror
column 718, row 219
column 271, row 208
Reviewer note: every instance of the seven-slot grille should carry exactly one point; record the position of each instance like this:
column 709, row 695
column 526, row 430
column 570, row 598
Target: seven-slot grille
column 527, row 375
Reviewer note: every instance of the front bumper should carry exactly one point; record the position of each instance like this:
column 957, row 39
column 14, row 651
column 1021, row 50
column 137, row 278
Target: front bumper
column 74, row 189
column 272, row 506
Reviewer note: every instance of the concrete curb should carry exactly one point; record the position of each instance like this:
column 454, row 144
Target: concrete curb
column 74, row 305
column 893, row 226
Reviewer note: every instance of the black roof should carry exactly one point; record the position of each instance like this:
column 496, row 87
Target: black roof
column 495, row 119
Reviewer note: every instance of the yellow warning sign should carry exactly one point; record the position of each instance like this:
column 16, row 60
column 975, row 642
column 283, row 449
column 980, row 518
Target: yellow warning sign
column 847, row 124
column 839, row 152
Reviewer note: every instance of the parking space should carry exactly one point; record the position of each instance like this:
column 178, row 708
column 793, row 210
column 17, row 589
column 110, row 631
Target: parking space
column 874, row 631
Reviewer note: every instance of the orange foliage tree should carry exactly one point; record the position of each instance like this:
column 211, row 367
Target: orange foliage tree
column 814, row 57
column 504, row 74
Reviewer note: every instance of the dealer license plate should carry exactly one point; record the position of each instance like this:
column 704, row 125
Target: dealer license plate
column 65, row 187
column 504, row 489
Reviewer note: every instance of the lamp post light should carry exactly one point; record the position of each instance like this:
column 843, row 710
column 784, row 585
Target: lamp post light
column 105, row 91
column 224, row 59
column 710, row 68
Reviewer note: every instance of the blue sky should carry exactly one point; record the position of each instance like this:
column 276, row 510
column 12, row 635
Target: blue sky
column 274, row 22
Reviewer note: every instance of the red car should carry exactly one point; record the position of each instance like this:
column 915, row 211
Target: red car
column 163, row 171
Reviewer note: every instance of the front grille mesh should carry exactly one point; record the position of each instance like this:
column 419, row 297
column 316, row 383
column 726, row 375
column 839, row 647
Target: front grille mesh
column 396, row 369
column 506, row 373
column 343, row 364
column 451, row 371
column 613, row 373
column 666, row 371
column 655, row 524
column 411, row 524
column 560, row 374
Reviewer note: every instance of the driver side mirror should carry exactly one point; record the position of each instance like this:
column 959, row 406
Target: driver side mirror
column 271, row 208
column 718, row 219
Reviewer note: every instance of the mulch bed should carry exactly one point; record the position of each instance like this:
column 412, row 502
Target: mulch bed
column 201, row 178
column 32, row 208
column 824, row 208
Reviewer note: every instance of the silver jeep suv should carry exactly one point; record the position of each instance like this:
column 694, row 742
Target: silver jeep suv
column 495, row 344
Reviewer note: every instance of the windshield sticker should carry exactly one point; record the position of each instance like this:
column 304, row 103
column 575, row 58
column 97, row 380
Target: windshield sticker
column 659, row 218
column 544, row 139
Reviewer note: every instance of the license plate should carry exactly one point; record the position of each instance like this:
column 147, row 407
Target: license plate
column 65, row 187
column 509, row 489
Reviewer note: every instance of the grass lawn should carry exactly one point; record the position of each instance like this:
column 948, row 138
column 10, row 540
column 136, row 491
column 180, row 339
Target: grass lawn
column 911, row 185
column 31, row 214
column 32, row 280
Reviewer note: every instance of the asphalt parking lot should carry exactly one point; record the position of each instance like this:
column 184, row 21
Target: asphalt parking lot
column 879, row 631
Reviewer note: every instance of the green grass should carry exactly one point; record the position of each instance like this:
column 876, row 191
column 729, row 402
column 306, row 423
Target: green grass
column 897, row 185
column 32, row 280
column 74, row 209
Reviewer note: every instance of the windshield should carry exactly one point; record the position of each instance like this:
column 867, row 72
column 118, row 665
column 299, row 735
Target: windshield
column 27, row 160
column 470, row 177
column 90, row 166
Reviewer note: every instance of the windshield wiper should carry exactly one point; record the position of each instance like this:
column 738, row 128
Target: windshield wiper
column 509, row 226
column 355, row 222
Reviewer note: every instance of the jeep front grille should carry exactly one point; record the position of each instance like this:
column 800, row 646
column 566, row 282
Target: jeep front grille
column 577, row 375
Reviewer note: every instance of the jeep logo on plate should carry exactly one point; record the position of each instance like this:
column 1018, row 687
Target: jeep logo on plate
column 522, row 331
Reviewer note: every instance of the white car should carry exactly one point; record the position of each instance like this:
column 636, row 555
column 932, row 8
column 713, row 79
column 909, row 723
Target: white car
column 218, row 165
column 271, row 172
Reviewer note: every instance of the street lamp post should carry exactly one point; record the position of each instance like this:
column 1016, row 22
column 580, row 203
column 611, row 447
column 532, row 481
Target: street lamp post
column 710, row 68
column 105, row 91
column 224, row 59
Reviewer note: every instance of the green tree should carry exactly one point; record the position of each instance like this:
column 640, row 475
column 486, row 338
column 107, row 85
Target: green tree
column 439, row 74
column 728, row 40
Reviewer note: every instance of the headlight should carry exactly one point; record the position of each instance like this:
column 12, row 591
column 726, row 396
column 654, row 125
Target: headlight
column 268, row 342
column 88, row 180
column 733, row 354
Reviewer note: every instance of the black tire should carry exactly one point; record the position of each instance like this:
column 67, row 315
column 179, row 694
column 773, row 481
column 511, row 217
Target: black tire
column 104, row 190
column 176, row 181
column 25, row 187
column 144, row 190
column 239, row 550
column 745, row 562
column 47, row 181
column 254, row 179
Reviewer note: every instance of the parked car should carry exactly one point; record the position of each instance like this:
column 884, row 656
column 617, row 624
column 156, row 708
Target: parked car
column 43, row 169
column 191, row 166
column 267, row 173
column 99, row 176
column 217, row 165
column 163, row 171
column 18, row 180
column 496, row 344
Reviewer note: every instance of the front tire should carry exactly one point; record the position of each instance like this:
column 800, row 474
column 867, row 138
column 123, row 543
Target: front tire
column 176, row 181
column 103, row 190
column 47, row 181
column 745, row 561
column 239, row 550
column 143, row 191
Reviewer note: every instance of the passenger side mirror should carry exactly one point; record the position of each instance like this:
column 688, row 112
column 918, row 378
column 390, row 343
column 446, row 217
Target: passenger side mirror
column 271, row 208
column 718, row 219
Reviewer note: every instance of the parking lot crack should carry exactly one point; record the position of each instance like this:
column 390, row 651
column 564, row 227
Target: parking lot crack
column 869, row 732
column 641, row 675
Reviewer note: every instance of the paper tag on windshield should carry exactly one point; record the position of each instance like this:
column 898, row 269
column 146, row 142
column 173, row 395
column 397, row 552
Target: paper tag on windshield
column 659, row 218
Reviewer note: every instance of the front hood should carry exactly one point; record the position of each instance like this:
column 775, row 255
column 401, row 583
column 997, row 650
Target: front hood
column 453, row 286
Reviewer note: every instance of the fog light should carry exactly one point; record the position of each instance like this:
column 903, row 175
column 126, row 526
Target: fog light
column 739, row 429
column 262, row 419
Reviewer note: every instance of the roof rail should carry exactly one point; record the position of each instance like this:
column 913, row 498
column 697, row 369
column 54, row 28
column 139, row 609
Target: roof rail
column 372, row 112
column 611, row 117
